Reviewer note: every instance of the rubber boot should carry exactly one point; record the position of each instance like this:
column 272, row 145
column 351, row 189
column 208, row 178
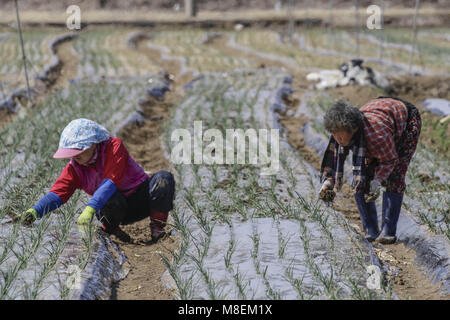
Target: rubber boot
column 392, row 205
column 157, row 224
column 368, row 215
column 117, row 231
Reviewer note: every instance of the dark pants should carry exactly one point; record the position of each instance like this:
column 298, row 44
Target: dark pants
column 157, row 193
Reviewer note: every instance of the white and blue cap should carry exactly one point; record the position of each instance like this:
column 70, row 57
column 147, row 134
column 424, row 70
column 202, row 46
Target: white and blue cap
column 78, row 136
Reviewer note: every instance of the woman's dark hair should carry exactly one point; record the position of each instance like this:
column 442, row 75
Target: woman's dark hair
column 342, row 116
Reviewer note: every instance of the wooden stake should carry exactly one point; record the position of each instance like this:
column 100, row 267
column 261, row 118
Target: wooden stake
column 190, row 7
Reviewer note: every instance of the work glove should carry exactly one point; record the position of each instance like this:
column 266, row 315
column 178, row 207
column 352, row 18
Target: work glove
column 86, row 216
column 26, row 217
column 326, row 193
column 375, row 188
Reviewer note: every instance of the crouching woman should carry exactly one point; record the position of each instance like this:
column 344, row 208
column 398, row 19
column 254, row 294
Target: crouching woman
column 100, row 165
column 383, row 136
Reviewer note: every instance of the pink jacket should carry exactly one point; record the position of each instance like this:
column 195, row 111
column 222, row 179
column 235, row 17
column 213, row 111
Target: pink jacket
column 113, row 162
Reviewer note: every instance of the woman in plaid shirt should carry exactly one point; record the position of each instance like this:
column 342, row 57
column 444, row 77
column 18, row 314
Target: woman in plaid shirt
column 383, row 136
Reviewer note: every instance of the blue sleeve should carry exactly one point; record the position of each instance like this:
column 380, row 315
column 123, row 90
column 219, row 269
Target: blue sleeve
column 102, row 194
column 48, row 203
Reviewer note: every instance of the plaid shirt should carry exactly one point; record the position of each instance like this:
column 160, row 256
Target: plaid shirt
column 384, row 122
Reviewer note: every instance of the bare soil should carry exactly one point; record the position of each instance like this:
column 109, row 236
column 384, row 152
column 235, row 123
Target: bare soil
column 6, row 117
column 69, row 67
column 415, row 89
column 144, row 279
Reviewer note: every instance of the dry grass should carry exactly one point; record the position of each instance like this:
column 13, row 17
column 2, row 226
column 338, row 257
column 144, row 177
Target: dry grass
column 342, row 17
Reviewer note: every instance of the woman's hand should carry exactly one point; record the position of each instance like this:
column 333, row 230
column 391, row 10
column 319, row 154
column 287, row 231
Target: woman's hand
column 375, row 187
column 86, row 216
column 26, row 217
column 326, row 193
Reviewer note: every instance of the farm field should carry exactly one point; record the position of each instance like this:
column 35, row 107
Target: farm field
column 237, row 233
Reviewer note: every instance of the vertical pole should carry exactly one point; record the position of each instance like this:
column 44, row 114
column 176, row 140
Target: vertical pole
column 290, row 10
column 330, row 24
column 357, row 27
column 23, row 52
column 190, row 7
column 411, row 58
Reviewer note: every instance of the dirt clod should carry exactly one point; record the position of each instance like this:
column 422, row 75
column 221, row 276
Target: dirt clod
column 327, row 195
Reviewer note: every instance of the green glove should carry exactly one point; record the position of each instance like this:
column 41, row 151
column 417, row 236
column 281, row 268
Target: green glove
column 26, row 217
column 86, row 216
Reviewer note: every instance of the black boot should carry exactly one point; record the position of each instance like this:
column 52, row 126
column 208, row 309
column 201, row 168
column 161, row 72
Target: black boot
column 368, row 215
column 117, row 231
column 392, row 204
